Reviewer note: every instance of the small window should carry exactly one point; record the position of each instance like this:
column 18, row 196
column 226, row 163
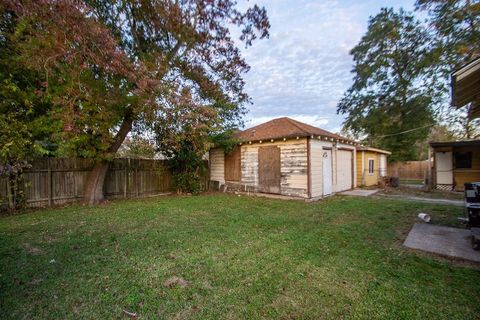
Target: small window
column 371, row 166
column 463, row 160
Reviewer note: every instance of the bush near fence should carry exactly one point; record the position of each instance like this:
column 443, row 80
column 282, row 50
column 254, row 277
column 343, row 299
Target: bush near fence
column 409, row 170
column 54, row 181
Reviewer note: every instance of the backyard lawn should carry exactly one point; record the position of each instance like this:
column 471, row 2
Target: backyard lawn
column 225, row 256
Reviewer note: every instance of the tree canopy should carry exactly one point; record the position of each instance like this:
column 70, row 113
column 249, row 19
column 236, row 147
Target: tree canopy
column 107, row 68
column 402, row 67
column 393, row 90
column 456, row 38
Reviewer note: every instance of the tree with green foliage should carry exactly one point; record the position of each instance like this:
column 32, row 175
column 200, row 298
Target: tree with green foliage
column 184, row 135
column 391, row 101
column 113, row 67
column 25, row 125
column 137, row 147
column 456, row 27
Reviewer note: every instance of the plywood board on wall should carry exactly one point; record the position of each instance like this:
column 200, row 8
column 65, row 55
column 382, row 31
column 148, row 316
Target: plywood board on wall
column 269, row 169
column 233, row 169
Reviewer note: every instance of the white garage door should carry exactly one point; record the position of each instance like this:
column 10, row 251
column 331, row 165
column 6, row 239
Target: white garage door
column 344, row 170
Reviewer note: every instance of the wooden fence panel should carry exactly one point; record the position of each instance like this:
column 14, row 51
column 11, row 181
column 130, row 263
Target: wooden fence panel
column 415, row 170
column 52, row 181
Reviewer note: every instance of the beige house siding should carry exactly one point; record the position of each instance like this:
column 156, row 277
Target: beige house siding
column 293, row 169
column 249, row 165
column 316, row 169
column 364, row 178
column 217, row 165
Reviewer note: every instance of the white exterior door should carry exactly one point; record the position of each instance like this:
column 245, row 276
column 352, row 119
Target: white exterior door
column 383, row 165
column 344, row 170
column 316, row 171
column 327, row 172
column 444, row 167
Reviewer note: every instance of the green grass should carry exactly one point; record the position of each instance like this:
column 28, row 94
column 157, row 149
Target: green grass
column 242, row 257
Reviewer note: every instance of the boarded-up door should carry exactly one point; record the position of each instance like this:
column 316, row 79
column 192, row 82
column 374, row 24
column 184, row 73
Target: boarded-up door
column 269, row 169
column 344, row 170
column 233, row 169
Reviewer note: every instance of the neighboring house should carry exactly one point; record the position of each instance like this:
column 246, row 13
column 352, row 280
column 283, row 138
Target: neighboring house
column 455, row 163
column 286, row 157
column 466, row 88
column 371, row 165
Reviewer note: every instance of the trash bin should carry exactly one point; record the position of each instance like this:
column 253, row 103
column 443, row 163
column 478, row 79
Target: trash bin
column 472, row 204
column 473, row 213
column 472, row 192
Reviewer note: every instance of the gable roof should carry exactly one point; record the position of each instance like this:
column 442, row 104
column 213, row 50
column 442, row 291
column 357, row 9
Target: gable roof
column 284, row 128
column 365, row 148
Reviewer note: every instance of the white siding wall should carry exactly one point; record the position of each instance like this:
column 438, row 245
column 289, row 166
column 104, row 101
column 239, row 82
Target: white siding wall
column 316, row 169
column 293, row 163
column 217, row 165
column 249, row 165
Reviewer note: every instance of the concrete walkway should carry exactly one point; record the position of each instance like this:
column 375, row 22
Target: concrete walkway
column 359, row 192
column 446, row 241
column 426, row 200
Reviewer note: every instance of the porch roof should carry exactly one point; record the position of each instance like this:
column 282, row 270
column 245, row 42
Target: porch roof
column 466, row 87
column 463, row 143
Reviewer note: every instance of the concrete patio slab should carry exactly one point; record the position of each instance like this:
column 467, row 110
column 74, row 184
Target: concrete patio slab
column 359, row 192
column 446, row 241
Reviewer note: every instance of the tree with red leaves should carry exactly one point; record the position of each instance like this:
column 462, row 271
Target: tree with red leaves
column 110, row 67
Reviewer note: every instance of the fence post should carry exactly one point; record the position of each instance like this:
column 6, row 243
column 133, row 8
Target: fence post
column 125, row 179
column 136, row 180
column 50, row 184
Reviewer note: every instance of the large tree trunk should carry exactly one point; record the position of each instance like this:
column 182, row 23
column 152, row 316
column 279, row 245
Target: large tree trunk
column 96, row 178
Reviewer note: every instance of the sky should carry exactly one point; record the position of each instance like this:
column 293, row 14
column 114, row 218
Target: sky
column 303, row 69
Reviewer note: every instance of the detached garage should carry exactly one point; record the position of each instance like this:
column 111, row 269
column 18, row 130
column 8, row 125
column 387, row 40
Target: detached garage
column 286, row 157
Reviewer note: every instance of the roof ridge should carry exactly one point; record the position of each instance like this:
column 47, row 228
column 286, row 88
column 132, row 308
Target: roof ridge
column 294, row 122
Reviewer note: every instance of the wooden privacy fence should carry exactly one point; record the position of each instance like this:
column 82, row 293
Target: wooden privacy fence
column 52, row 181
column 409, row 169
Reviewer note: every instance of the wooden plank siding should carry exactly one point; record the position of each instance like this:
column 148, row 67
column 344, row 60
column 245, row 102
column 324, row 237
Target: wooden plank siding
column 293, row 166
column 233, row 169
column 217, row 165
column 301, row 162
column 269, row 177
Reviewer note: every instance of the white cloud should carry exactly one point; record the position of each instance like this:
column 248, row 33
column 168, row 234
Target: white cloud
column 304, row 68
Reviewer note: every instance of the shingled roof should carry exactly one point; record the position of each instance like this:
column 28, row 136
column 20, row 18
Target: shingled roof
column 284, row 128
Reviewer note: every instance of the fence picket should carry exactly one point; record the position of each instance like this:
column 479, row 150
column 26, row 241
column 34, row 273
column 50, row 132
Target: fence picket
column 52, row 181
